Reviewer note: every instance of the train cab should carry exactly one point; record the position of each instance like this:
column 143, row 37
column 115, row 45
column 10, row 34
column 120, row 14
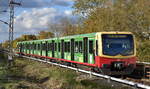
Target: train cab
column 116, row 52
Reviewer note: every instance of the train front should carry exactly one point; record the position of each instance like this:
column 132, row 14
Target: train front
column 116, row 53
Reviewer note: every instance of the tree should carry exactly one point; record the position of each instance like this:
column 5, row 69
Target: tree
column 24, row 38
column 45, row 35
column 120, row 15
column 65, row 27
column 5, row 44
column 83, row 7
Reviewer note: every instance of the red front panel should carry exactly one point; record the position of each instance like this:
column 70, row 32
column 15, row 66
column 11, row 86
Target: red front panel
column 102, row 60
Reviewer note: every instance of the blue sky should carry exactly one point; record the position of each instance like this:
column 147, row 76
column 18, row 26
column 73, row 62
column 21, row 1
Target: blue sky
column 34, row 15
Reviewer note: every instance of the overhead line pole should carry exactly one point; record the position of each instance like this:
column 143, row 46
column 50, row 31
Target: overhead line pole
column 12, row 3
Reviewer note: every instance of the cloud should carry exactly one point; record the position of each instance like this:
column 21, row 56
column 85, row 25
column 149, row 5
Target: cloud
column 38, row 19
column 34, row 20
column 68, row 12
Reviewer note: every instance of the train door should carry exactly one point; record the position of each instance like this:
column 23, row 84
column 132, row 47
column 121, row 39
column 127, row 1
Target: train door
column 46, row 48
column 67, row 49
column 72, row 49
column 20, row 47
column 78, row 50
column 49, row 49
column 36, row 48
column 55, row 49
column 29, row 48
column 91, row 51
column 39, row 49
column 23, row 48
column 62, row 49
column 43, row 48
column 33, row 48
column 85, row 50
column 59, row 50
column 53, row 45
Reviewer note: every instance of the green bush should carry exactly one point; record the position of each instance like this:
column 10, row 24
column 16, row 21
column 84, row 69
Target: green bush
column 143, row 51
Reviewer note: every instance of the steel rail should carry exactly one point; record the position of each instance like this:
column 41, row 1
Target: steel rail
column 147, row 63
column 131, row 83
column 127, row 82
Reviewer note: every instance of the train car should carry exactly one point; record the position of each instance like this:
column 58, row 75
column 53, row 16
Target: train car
column 112, row 53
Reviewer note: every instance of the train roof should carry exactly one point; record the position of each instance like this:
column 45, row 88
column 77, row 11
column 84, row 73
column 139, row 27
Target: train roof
column 78, row 36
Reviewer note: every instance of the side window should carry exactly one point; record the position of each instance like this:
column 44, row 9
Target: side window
column 38, row 46
column 68, row 47
column 90, row 46
column 80, row 47
column 35, row 46
column 76, row 47
column 49, row 46
column 58, row 47
column 43, row 47
column 65, row 47
column 55, row 47
column 27, row 46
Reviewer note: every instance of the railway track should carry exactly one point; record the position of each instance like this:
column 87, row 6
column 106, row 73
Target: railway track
column 146, row 63
column 128, row 81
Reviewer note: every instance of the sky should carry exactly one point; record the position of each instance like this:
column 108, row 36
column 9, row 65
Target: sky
column 34, row 15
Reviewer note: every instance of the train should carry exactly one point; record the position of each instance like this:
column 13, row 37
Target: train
column 111, row 53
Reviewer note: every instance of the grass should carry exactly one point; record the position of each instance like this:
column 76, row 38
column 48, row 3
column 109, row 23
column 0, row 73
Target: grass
column 27, row 74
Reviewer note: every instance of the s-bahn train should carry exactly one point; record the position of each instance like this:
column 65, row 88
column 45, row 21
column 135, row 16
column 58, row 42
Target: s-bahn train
column 112, row 53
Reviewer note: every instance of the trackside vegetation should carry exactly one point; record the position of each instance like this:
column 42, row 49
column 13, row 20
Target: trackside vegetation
column 28, row 74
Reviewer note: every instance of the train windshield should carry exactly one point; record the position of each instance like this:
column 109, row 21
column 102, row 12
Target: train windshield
column 117, row 44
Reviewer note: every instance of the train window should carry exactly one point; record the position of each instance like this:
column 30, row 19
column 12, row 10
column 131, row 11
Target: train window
column 58, row 47
column 85, row 49
column 38, row 46
column 34, row 47
column 65, row 47
column 49, row 46
column 55, row 47
column 68, row 47
column 27, row 46
column 80, row 46
column 30, row 46
column 43, row 46
column 91, row 46
column 76, row 47
column 62, row 48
